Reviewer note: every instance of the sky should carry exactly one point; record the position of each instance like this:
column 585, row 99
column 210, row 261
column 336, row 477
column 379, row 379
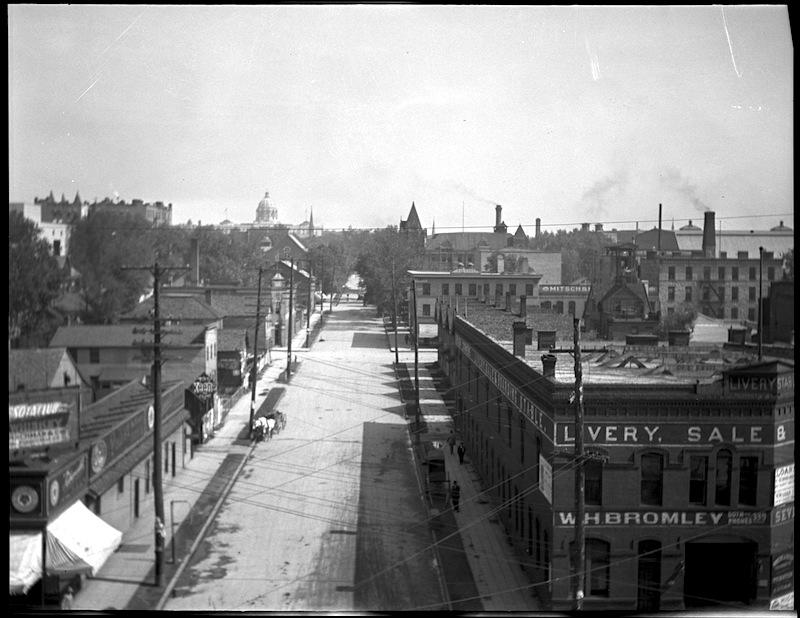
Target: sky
column 569, row 114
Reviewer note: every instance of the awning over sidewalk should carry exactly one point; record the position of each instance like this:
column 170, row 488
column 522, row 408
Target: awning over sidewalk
column 78, row 541
column 428, row 331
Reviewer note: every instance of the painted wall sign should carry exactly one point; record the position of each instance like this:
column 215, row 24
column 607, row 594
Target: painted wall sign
column 664, row 518
column 783, row 514
column 668, row 434
column 782, row 574
column 784, row 485
column 521, row 402
column 565, row 289
column 27, row 411
column 37, row 431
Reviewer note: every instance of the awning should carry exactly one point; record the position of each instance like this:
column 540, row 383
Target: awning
column 78, row 542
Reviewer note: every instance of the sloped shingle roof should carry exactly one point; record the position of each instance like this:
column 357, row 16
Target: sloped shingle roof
column 35, row 368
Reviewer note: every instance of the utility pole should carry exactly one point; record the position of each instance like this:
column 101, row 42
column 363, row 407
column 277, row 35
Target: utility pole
column 254, row 368
column 394, row 318
column 333, row 286
column 321, row 286
column 158, row 492
column 308, row 310
column 289, row 339
column 760, row 300
column 580, row 532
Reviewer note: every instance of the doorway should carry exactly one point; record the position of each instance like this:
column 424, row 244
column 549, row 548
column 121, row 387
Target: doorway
column 649, row 579
column 720, row 574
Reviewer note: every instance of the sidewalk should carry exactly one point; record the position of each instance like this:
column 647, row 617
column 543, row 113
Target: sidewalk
column 127, row 579
column 501, row 583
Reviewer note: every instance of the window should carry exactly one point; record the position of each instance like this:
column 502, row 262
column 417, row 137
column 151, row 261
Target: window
column 486, row 289
column 652, row 466
column 688, row 273
column 529, row 289
column 751, row 314
column 571, row 307
column 721, row 292
column 499, row 289
column 671, row 273
column 748, row 480
column 698, row 479
column 597, row 566
column 735, row 273
column 721, row 273
column 670, row 310
column 426, row 289
column 751, row 294
column 770, row 273
column 706, row 293
column 121, row 485
column 560, row 306
column 56, row 247
column 473, row 289
column 671, row 293
column 426, row 310
column 706, row 273
column 458, row 289
column 512, row 289
column 722, row 494
column 94, row 355
column 445, row 289
column 751, row 273
column 593, row 481
column 734, row 293
column 734, row 313
column 688, row 294
column 147, row 476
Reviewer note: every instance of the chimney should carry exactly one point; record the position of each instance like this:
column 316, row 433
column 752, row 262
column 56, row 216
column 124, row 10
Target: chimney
column 598, row 227
column 584, row 227
column 523, row 307
column 538, row 227
column 549, row 365
column 520, row 332
column 659, row 228
column 709, row 238
column 194, row 261
column 498, row 216
column 501, row 263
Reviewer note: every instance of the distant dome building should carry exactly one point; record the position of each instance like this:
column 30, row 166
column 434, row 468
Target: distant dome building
column 266, row 213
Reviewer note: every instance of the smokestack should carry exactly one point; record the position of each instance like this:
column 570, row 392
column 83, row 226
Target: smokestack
column 584, row 227
column 709, row 235
column 598, row 227
column 549, row 365
column 498, row 216
column 523, row 306
column 659, row 228
column 538, row 227
column 520, row 332
column 194, row 261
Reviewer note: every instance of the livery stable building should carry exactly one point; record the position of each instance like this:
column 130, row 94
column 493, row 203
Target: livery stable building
column 85, row 490
column 688, row 461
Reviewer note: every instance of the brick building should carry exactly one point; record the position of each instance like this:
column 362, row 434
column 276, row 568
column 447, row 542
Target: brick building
column 689, row 479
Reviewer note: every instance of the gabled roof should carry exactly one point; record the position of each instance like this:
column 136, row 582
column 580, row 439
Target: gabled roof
column 178, row 307
column 229, row 339
column 412, row 223
column 125, row 336
column 467, row 241
column 36, row 367
column 649, row 240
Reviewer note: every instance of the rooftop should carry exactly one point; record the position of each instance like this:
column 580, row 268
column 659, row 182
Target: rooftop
column 125, row 336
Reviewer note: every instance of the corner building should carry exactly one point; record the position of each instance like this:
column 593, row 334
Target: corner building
column 689, row 465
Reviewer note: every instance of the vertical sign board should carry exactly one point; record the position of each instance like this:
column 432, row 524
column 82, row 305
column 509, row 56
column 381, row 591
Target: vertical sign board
column 784, row 485
column 546, row 479
column 782, row 581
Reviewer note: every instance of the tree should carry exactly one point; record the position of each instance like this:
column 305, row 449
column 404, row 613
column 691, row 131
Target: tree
column 683, row 319
column 34, row 279
column 101, row 245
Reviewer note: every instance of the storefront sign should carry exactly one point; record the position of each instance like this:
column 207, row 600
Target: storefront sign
column 565, row 289
column 785, row 602
column 784, row 485
column 39, row 431
column 783, row 514
column 113, row 444
column 27, row 411
column 664, row 518
column 546, row 479
column 667, row 434
column 522, row 403
column 782, row 574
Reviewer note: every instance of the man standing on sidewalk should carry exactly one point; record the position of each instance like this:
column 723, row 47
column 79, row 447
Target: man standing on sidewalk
column 461, row 451
column 451, row 441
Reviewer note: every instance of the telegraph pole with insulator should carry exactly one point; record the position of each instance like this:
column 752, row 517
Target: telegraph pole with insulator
column 580, row 532
column 254, row 368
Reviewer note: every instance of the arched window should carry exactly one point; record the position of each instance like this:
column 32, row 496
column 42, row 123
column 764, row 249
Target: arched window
column 571, row 307
column 723, row 485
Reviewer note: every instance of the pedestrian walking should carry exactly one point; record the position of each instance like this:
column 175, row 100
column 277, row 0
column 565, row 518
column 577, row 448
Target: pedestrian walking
column 452, row 442
column 461, row 451
column 455, row 495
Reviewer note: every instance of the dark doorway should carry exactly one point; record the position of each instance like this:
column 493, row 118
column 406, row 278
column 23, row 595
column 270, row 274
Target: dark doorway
column 649, row 582
column 719, row 573
column 136, row 498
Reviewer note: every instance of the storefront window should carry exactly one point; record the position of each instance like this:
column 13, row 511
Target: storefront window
column 593, row 481
column 748, row 480
column 723, row 488
column 698, row 479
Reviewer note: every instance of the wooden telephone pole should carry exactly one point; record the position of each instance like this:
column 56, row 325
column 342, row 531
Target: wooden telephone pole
column 254, row 368
column 158, row 492
column 580, row 506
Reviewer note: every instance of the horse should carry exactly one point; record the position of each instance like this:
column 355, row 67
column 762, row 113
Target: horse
column 280, row 417
column 260, row 428
column 270, row 427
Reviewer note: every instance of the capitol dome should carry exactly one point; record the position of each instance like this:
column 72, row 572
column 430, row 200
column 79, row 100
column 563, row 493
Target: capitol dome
column 266, row 212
